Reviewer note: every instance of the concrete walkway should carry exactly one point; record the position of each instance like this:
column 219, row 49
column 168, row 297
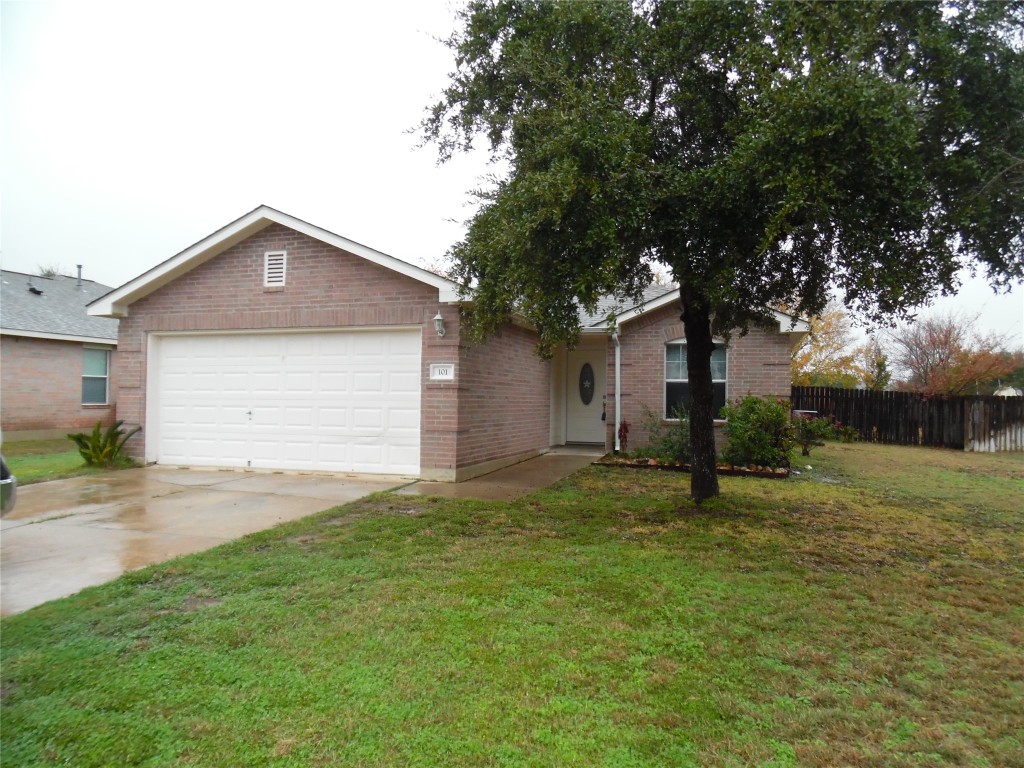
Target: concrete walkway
column 66, row 535
column 515, row 481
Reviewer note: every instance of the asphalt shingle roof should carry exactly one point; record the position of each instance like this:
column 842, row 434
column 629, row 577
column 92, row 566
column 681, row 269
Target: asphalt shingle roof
column 59, row 308
column 609, row 304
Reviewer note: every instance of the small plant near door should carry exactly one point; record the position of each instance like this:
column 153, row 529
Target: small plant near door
column 624, row 436
column 104, row 448
column 666, row 441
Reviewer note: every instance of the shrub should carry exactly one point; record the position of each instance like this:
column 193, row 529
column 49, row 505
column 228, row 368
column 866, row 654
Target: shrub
column 812, row 432
column 847, row 433
column 623, row 435
column 760, row 433
column 668, row 442
column 103, row 448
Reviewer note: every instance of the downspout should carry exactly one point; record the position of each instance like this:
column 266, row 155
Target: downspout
column 618, row 385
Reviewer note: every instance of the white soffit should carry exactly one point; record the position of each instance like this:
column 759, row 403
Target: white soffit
column 116, row 303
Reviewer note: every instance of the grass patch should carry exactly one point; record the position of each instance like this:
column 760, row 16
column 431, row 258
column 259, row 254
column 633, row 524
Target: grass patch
column 861, row 614
column 36, row 461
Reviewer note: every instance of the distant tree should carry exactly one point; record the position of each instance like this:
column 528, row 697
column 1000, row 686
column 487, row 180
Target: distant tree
column 826, row 356
column 49, row 270
column 764, row 153
column 874, row 366
column 942, row 355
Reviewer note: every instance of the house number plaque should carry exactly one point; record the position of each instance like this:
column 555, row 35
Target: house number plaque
column 442, row 371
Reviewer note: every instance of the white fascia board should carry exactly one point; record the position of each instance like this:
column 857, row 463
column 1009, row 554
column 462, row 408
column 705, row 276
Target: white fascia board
column 787, row 323
column 58, row 337
column 116, row 303
column 791, row 323
column 447, row 290
column 662, row 301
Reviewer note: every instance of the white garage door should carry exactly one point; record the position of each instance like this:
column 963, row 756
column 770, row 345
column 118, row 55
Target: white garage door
column 345, row 401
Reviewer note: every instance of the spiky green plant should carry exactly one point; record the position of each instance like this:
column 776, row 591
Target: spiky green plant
column 103, row 448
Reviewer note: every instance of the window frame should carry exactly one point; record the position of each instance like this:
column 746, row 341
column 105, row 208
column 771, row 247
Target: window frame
column 719, row 344
column 267, row 256
column 91, row 376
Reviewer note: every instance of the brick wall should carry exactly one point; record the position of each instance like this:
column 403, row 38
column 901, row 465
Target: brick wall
column 504, row 398
column 757, row 364
column 41, row 386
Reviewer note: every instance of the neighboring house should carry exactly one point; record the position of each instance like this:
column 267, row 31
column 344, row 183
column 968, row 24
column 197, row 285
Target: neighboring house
column 56, row 361
column 276, row 344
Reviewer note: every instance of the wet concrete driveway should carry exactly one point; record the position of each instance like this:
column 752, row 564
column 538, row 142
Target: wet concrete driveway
column 70, row 534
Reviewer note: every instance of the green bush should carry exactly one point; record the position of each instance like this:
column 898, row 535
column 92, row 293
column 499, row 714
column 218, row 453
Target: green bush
column 847, row 433
column 760, row 432
column 103, row 448
column 812, row 432
column 667, row 442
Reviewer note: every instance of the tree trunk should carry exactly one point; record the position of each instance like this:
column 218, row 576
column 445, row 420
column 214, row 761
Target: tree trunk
column 696, row 319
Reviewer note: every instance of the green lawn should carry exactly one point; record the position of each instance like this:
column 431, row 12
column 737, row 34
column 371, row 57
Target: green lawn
column 34, row 461
column 869, row 612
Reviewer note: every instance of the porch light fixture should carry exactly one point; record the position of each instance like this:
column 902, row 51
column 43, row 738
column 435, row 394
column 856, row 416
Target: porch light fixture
column 439, row 324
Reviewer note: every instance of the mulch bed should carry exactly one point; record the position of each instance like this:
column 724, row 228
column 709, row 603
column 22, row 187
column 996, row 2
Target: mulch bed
column 778, row 473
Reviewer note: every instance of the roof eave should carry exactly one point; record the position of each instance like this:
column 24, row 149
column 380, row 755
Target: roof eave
column 117, row 302
column 58, row 336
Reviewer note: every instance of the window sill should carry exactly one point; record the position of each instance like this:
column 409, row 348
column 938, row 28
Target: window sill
column 273, row 289
column 96, row 406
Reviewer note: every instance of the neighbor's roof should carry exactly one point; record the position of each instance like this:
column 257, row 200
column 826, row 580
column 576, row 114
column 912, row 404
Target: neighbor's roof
column 116, row 303
column 55, row 309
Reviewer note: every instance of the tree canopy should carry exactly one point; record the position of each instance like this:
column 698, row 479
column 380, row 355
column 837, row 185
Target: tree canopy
column 765, row 153
column 944, row 355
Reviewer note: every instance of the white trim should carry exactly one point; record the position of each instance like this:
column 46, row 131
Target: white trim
column 58, row 337
column 787, row 323
column 305, row 329
column 117, row 302
column 618, row 388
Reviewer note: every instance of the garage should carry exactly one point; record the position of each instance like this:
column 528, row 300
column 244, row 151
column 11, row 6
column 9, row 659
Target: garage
column 337, row 401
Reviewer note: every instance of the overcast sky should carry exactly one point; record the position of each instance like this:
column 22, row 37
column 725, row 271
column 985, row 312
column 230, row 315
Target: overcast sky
column 131, row 130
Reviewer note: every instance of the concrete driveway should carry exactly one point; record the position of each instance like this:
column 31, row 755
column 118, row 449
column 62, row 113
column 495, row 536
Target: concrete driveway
column 70, row 534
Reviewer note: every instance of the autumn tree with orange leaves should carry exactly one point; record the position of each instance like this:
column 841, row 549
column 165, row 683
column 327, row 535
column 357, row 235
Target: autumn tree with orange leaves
column 826, row 357
column 941, row 355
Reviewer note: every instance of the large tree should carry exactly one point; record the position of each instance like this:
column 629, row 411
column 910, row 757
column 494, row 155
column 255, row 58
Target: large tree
column 764, row 153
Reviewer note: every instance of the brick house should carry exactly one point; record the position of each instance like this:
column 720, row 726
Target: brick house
column 276, row 344
column 56, row 362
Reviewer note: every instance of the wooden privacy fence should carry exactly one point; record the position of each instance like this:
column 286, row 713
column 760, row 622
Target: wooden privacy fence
column 985, row 423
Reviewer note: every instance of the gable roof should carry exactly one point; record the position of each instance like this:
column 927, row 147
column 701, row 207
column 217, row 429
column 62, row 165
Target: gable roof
column 116, row 303
column 607, row 305
column 656, row 297
column 56, row 311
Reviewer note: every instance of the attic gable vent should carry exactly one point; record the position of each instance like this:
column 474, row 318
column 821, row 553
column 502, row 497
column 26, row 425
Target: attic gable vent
column 274, row 263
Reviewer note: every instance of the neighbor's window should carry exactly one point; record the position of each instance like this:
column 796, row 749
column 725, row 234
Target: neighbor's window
column 95, row 375
column 677, row 385
column 274, row 263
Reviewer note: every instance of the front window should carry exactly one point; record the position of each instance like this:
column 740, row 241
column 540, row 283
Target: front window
column 677, row 385
column 95, row 374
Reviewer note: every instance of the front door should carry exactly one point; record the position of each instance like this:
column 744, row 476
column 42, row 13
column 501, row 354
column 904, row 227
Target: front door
column 585, row 396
